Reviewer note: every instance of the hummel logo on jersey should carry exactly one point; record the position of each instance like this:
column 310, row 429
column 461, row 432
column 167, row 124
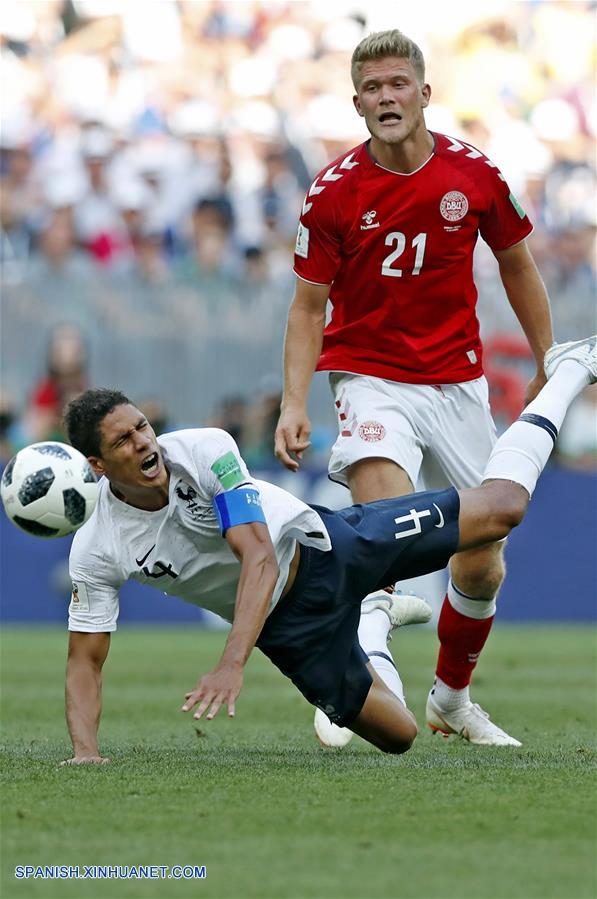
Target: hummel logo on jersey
column 142, row 561
column 368, row 218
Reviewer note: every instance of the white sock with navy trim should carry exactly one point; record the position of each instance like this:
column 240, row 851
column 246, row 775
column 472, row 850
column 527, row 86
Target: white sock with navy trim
column 373, row 631
column 522, row 451
column 470, row 605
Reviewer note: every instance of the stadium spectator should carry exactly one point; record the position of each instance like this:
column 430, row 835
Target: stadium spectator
column 20, row 199
column 255, row 270
column 230, row 416
column 57, row 258
column 260, row 423
column 402, row 347
column 98, row 223
column 64, row 379
column 214, row 257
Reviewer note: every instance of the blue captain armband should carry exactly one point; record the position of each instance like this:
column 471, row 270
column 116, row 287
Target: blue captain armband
column 240, row 506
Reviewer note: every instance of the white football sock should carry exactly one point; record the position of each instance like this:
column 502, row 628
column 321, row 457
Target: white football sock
column 470, row 606
column 447, row 698
column 373, row 631
column 522, row 451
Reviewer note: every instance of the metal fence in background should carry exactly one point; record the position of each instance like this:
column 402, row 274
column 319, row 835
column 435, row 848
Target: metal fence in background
column 189, row 346
column 193, row 343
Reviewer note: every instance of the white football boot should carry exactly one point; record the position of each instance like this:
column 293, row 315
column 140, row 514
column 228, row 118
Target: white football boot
column 401, row 609
column 582, row 351
column 470, row 722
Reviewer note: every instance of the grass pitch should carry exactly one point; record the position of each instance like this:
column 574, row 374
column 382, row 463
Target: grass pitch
column 268, row 812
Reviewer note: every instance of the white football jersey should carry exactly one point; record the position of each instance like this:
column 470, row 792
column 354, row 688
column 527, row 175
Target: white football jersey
column 180, row 548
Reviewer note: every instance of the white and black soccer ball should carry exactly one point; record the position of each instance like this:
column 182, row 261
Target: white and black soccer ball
column 49, row 489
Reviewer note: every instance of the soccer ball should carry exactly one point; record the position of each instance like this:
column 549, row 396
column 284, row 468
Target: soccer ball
column 49, row 489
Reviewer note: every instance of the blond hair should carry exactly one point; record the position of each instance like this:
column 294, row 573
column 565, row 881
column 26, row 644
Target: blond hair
column 382, row 44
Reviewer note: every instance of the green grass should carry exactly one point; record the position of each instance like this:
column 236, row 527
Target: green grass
column 268, row 812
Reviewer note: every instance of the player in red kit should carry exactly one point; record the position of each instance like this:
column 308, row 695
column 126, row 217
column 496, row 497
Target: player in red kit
column 387, row 234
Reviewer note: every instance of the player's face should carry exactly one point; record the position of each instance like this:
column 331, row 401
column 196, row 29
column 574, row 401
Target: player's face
column 391, row 99
column 130, row 454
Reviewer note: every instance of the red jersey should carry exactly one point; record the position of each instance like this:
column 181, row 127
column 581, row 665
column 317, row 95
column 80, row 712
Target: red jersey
column 398, row 252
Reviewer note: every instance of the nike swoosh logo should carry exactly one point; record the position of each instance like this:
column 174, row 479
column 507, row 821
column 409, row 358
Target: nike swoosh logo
column 142, row 561
column 441, row 518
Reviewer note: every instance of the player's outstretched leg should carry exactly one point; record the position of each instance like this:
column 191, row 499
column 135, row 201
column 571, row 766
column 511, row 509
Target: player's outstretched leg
column 519, row 456
column 381, row 614
column 522, row 451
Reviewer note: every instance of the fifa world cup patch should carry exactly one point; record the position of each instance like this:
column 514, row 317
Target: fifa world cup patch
column 302, row 241
column 79, row 601
column 517, row 205
column 228, row 471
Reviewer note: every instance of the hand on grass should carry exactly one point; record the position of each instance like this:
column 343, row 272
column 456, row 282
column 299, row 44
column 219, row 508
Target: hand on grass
column 86, row 760
column 220, row 687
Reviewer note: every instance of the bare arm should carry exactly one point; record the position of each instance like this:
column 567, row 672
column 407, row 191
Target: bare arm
column 302, row 348
column 251, row 544
column 528, row 297
column 86, row 656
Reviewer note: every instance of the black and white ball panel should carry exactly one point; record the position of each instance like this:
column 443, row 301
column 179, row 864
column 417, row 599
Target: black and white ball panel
column 48, row 489
column 36, row 485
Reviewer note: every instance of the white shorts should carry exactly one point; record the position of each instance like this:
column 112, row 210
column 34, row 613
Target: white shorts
column 440, row 435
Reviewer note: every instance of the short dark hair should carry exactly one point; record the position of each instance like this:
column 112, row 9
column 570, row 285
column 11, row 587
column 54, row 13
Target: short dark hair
column 84, row 415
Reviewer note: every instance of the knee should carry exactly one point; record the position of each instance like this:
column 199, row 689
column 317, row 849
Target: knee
column 400, row 742
column 514, row 501
column 506, row 505
column 479, row 572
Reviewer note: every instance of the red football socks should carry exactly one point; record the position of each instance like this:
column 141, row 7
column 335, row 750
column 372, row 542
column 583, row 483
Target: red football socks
column 461, row 641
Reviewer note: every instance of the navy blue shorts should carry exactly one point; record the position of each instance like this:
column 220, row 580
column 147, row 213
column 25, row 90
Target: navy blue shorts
column 311, row 635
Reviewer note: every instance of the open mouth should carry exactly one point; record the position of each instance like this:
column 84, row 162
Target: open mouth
column 390, row 118
column 150, row 465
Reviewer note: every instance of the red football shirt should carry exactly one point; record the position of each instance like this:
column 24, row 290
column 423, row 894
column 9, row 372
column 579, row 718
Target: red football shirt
column 398, row 253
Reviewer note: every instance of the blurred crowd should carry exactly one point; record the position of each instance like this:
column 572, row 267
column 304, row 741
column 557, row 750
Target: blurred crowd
column 154, row 158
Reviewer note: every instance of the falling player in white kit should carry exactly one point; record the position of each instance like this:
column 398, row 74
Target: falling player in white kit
column 387, row 233
column 183, row 512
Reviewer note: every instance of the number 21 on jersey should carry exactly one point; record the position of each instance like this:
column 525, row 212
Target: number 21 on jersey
column 398, row 239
